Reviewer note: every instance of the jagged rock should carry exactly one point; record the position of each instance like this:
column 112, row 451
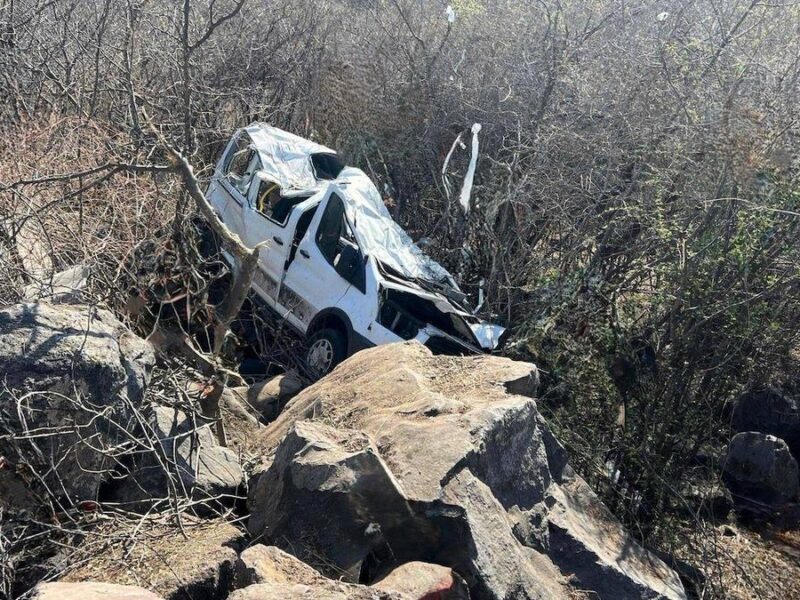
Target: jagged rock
column 425, row 581
column 189, row 463
column 91, row 590
column 769, row 411
column 298, row 591
column 201, row 565
column 264, row 571
column 416, row 580
column 585, row 539
column 440, row 464
column 269, row 564
column 64, row 287
column 760, row 468
column 78, row 372
column 270, row 396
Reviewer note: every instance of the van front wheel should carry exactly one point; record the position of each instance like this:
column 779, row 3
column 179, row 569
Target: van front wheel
column 326, row 349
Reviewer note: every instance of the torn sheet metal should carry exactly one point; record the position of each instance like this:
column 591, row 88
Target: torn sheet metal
column 379, row 235
column 488, row 335
column 285, row 157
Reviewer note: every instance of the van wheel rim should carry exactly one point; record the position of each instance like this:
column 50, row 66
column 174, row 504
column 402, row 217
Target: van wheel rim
column 320, row 356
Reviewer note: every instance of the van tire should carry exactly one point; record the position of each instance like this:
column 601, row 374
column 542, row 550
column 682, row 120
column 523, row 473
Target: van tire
column 326, row 349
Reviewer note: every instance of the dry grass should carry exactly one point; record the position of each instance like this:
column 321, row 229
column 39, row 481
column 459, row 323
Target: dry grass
column 741, row 564
column 156, row 556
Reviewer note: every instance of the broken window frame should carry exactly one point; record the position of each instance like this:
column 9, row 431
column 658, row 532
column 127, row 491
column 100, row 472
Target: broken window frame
column 254, row 198
column 346, row 237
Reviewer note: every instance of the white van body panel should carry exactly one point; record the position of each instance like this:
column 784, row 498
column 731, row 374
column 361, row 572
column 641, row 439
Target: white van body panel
column 337, row 251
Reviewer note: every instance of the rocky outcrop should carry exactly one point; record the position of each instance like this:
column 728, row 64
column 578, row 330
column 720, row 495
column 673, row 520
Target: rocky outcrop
column 399, row 456
column 769, row 411
column 187, row 462
column 270, row 570
column 72, row 377
column 760, row 469
column 91, row 590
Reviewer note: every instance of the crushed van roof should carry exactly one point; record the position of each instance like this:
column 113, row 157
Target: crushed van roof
column 286, row 158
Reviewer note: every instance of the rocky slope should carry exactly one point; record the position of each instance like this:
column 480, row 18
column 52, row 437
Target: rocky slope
column 400, row 475
column 399, row 455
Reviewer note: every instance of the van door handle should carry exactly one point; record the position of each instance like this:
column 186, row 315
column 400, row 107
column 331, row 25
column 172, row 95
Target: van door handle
column 278, row 240
column 304, row 253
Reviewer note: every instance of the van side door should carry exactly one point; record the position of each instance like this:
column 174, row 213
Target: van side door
column 262, row 223
column 327, row 263
column 231, row 184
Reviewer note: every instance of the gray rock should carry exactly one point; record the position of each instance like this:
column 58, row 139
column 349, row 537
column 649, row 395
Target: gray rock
column 77, row 374
column 261, row 564
column 587, row 541
column 267, row 571
column 298, row 591
column 268, row 397
column 759, row 468
column 424, row 580
column 188, row 461
column 269, row 564
column 769, row 411
column 65, row 287
column 443, row 465
column 91, row 590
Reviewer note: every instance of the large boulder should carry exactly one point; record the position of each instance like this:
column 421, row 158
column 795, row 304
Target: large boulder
column 73, row 378
column 91, row 590
column 760, row 469
column 182, row 459
column 268, row 572
column 424, row 581
column 769, row 411
column 442, row 461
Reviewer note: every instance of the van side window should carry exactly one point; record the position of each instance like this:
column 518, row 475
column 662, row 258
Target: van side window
column 331, row 228
column 271, row 203
column 241, row 164
column 338, row 245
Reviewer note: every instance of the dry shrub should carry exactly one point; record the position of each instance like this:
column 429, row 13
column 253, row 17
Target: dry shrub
column 53, row 218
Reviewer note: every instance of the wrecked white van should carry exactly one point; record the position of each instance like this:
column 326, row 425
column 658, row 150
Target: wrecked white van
column 336, row 267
